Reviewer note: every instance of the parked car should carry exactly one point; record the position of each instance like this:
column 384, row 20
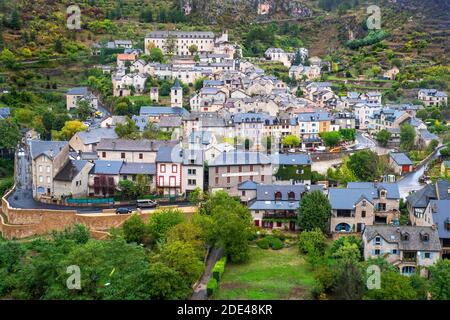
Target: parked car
column 123, row 211
column 146, row 203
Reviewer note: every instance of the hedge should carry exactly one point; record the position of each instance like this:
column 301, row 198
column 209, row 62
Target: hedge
column 211, row 287
column 263, row 243
column 219, row 268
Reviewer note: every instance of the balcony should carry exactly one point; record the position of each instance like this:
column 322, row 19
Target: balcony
column 280, row 215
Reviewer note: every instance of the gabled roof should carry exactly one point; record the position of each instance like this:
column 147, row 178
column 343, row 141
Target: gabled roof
column 138, row 168
column 143, row 145
column 91, row 136
column 346, row 199
column 401, row 159
column 392, row 234
column 106, row 167
column 440, row 210
column 49, row 148
column 158, row 111
column 170, row 155
column 193, row 157
column 267, row 192
column 420, row 198
column 248, row 185
column 71, row 170
column 292, row 159
column 240, row 158
column 78, row 91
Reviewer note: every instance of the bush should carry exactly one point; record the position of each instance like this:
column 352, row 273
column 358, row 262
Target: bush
column 212, row 286
column 219, row 268
column 312, row 241
column 263, row 243
column 276, row 244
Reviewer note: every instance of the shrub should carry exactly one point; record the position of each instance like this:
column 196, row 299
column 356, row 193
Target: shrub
column 279, row 234
column 212, row 286
column 219, row 268
column 263, row 243
column 312, row 241
column 276, row 244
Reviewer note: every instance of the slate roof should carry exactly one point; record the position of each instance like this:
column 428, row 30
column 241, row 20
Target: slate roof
column 169, row 122
column 251, row 117
column 392, row 234
column 248, row 185
column 133, row 145
column 70, row 170
column 292, row 159
column 442, row 189
column 193, row 157
column 275, row 205
column 427, row 135
column 391, row 188
column 78, row 91
column 106, row 167
column 95, row 135
column 50, row 148
column 205, row 137
column 345, row 199
column 5, row 113
column 138, row 168
column 420, row 198
column 313, row 116
column 158, row 111
column 170, row 154
column 440, row 210
column 401, row 159
column 181, row 34
column 240, row 158
column 141, row 122
column 267, row 192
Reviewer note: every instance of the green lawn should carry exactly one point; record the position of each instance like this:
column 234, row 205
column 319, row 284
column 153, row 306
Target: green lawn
column 269, row 274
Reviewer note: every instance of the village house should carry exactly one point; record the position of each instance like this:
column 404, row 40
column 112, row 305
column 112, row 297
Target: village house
column 310, row 125
column 169, row 162
column 125, row 85
column 417, row 202
column 229, row 169
column 125, row 60
column 344, row 120
column 75, row 95
column 154, row 94
column 278, row 54
column 155, row 113
column 72, row 180
column 363, row 204
column 179, row 42
column 386, row 118
column 47, row 160
column 294, row 168
column 86, row 141
column 407, row 247
column 193, row 170
column 131, row 171
column 391, row 74
column 424, row 138
column 104, row 178
column 143, row 151
column 432, row 97
column 400, row 163
column 437, row 214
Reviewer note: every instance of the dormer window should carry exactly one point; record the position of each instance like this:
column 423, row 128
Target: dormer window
column 405, row 236
column 278, row 195
column 364, row 203
column 377, row 240
column 383, row 194
column 291, row 195
column 424, row 236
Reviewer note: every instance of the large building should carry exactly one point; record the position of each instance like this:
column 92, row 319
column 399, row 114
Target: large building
column 179, row 42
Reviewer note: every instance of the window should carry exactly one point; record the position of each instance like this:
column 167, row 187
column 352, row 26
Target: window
column 240, row 179
column 291, row 195
column 364, row 203
column 251, row 167
column 103, row 154
column 243, row 193
column 122, row 155
column 240, row 168
column 217, row 169
column 262, row 178
column 192, row 182
column 48, row 179
column 377, row 240
column 394, row 251
column 41, row 179
column 405, row 236
column 363, row 214
column 217, row 180
column 278, row 196
column 228, row 169
column 377, row 252
column 427, row 255
column 174, row 168
column 48, row 169
column 141, row 156
column 228, row 179
column 163, row 168
column 40, row 168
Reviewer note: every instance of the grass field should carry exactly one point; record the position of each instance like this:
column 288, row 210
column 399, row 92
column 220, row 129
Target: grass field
column 269, row 274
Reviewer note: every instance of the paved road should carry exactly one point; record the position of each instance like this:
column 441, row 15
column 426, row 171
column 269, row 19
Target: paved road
column 411, row 182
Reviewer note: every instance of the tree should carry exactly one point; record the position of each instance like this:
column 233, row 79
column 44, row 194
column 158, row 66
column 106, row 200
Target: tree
column 184, row 258
column 312, row 241
column 127, row 189
column 314, row 212
column 226, row 223
column 198, row 84
column 162, row 220
column 166, row 283
column 439, row 280
column 348, row 134
column 349, row 282
column 134, row 229
column 365, row 165
column 123, row 109
column 83, row 110
column 156, row 55
column 8, row 58
column 70, row 128
column 15, row 22
column 128, row 130
column 432, row 146
column 142, row 185
column 171, row 44
column 196, row 196
column 394, row 286
column 146, row 15
column 58, row 47
column 407, row 137
column 291, row 141
column 9, row 133
column 331, row 138
column 193, row 49
column 186, row 232
column 383, row 136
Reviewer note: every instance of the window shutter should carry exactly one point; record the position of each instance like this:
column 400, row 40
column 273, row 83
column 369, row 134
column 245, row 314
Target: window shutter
column 381, row 241
column 373, row 252
column 373, row 241
column 381, row 252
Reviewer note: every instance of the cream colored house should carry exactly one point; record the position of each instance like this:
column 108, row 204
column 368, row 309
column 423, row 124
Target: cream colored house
column 48, row 158
column 72, row 180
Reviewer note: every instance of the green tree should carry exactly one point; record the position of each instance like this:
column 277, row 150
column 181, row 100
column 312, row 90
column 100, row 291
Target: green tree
column 314, row 212
column 123, row 109
column 15, row 21
column 83, row 110
column 383, row 137
column 162, row 220
column 439, row 280
column 156, row 55
column 196, row 196
column 166, row 283
column 394, row 286
column 127, row 189
column 135, row 230
column 128, row 130
column 407, row 137
column 10, row 134
column 291, row 141
column 198, row 84
column 365, row 165
column 312, row 241
column 193, row 49
column 331, row 138
column 349, row 282
column 8, row 58
column 348, row 134
column 226, row 223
